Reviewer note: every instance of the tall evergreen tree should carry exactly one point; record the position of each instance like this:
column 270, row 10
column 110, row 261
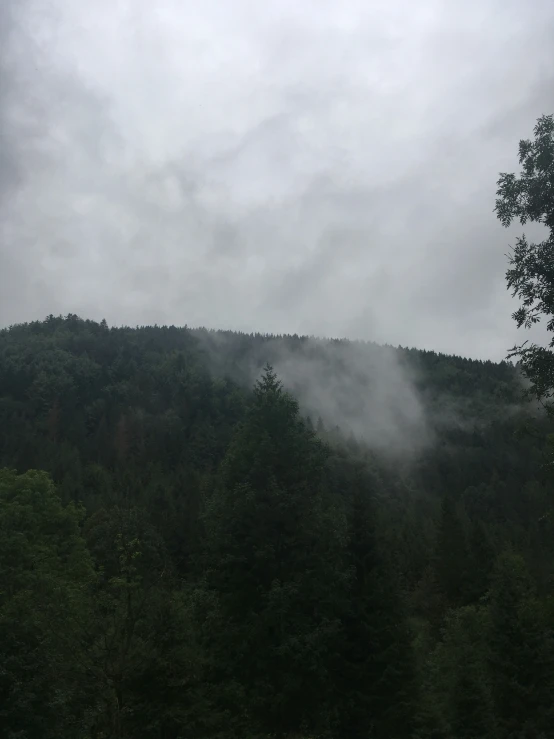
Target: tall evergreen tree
column 45, row 571
column 463, row 675
column 451, row 554
column 379, row 681
column 275, row 566
column 521, row 653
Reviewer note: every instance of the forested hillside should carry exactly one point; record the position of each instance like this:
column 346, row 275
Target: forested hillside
column 211, row 534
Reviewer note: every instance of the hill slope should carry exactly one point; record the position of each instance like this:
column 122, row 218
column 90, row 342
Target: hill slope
column 377, row 535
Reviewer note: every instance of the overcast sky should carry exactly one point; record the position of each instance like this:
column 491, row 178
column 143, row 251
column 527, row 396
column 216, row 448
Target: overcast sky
column 311, row 166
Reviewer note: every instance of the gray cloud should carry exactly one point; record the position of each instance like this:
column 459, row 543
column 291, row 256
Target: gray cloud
column 312, row 167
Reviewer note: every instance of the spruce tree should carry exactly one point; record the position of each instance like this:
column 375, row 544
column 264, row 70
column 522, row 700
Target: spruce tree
column 45, row 570
column 274, row 571
column 521, row 652
column 461, row 659
column 378, row 665
column 452, row 555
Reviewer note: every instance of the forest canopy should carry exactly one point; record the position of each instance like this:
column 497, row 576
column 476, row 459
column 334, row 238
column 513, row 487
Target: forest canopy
column 187, row 550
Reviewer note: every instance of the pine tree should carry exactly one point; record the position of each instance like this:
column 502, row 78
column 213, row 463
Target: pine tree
column 463, row 677
column 377, row 659
column 521, row 652
column 452, row 555
column 45, row 570
column 274, row 566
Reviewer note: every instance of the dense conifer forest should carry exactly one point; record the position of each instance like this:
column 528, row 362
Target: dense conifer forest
column 213, row 534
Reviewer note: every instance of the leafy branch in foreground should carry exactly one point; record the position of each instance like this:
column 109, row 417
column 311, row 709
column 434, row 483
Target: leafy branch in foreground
column 530, row 197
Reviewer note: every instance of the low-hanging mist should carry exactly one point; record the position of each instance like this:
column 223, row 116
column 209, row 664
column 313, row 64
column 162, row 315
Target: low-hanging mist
column 377, row 393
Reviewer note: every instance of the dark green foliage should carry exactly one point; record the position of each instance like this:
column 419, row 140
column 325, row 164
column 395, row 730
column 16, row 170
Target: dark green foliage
column 45, row 571
column 199, row 561
column 458, row 668
column 452, row 561
column 274, row 566
column 529, row 197
column 521, row 652
column 377, row 663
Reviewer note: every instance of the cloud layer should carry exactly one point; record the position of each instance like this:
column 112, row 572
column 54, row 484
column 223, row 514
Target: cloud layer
column 315, row 167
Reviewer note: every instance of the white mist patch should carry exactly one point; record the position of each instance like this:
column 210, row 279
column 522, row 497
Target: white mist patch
column 394, row 401
column 363, row 388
